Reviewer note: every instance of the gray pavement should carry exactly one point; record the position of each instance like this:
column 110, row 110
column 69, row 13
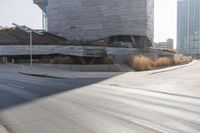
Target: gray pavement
column 48, row 71
column 146, row 102
column 3, row 129
column 62, row 71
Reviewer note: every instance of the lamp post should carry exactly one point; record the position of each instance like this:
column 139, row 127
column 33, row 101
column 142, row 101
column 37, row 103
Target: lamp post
column 30, row 32
column 31, row 48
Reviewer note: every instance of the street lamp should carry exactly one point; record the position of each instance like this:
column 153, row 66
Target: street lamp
column 31, row 48
column 30, row 31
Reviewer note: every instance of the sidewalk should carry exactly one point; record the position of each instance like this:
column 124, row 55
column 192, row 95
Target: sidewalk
column 2, row 129
column 62, row 73
column 10, row 68
column 155, row 80
column 45, row 71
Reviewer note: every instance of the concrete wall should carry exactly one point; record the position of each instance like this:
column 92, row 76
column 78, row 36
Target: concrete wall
column 86, row 51
column 95, row 19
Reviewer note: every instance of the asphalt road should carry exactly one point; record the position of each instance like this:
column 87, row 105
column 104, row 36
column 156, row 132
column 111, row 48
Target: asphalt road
column 166, row 102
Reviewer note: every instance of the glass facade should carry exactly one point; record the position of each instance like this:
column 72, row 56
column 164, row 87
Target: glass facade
column 188, row 27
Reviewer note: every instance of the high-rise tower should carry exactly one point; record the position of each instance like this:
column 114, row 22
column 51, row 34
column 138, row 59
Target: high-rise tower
column 188, row 27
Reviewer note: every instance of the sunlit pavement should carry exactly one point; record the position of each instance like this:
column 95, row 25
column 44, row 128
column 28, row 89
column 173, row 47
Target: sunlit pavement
column 127, row 103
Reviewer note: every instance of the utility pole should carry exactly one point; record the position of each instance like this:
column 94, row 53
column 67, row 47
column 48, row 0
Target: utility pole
column 31, row 48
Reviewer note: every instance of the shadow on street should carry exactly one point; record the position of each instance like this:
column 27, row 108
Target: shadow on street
column 16, row 89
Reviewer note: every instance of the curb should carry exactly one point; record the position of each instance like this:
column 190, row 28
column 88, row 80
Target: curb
column 41, row 75
column 77, row 77
column 176, row 67
column 60, row 77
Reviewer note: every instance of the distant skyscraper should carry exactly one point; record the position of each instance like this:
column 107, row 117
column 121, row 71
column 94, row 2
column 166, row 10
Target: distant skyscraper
column 188, row 27
column 169, row 44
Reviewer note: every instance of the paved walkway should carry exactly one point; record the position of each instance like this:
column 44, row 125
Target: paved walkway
column 62, row 73
column 3, row 130
column 48, row 71
column 147, row 79
column 10, row 68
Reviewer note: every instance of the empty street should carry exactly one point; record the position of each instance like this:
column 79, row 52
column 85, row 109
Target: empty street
column 161, row 101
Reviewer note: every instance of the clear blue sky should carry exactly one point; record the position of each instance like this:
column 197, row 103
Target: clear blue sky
column 24, row 12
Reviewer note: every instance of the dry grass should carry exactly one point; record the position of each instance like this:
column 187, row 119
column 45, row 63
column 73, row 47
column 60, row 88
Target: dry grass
column 62, row 60
column 139, row 62
column 142, row 62
column 162, row 61
column 108, row 60
column 180, row 59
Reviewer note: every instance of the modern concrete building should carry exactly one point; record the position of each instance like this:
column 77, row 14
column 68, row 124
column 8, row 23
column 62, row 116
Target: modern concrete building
column 188, row 27
column 120, row 20
column 169, row 44
column 43, row 4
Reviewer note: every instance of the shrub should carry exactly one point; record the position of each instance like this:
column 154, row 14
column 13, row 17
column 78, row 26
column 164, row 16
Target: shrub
column 162, row 61
column 180, row 59
column 62, row 60
column 108, row 60
column 141, row 62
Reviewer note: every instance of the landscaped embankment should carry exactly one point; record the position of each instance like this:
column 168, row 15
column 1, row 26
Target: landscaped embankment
column 142, row 62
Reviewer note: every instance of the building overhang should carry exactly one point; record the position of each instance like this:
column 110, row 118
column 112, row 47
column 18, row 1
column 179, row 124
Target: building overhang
column 41, row 3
